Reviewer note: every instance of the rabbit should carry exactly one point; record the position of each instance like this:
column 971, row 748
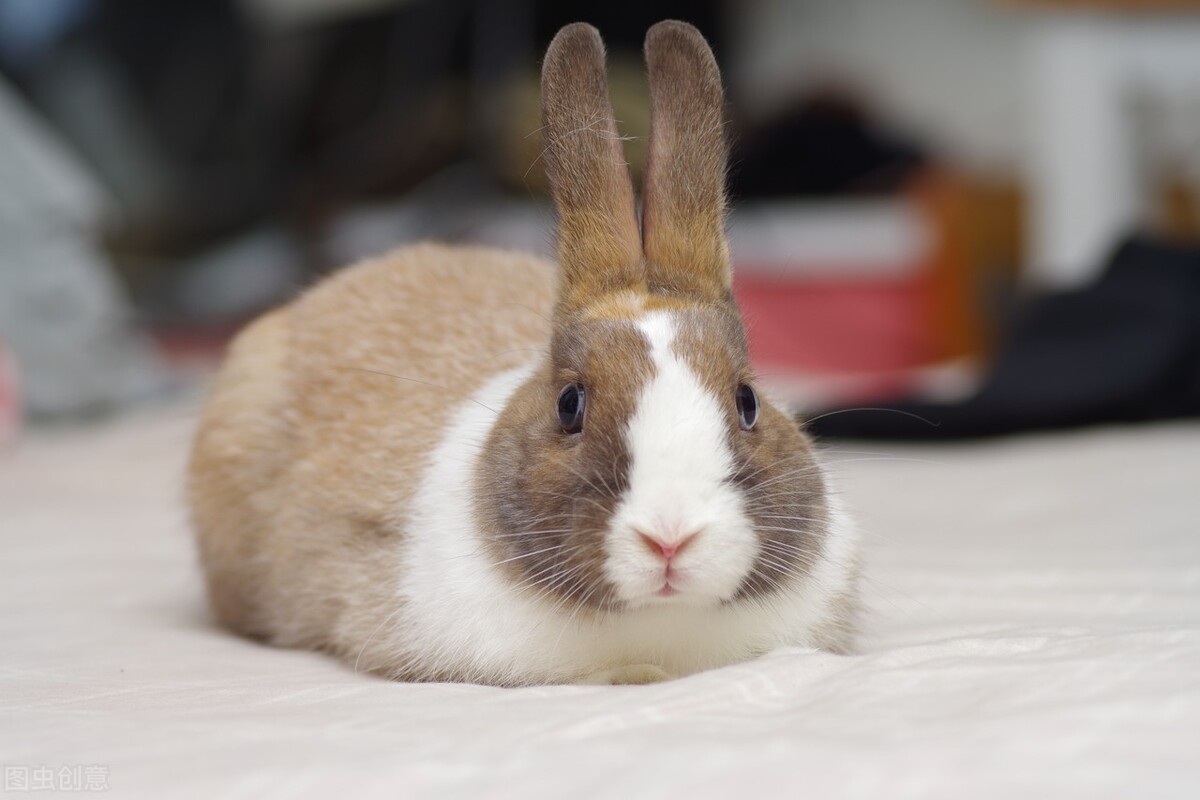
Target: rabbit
column 453, row 463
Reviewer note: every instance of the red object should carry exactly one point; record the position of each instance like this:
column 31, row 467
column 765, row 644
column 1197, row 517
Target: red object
column 834, row 326
column 855, row 300
column 10, row 397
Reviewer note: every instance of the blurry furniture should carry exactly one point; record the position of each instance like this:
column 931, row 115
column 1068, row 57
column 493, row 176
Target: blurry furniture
column 10, row 396
column 853, row 299
column 64, row 318
column 1088, row 62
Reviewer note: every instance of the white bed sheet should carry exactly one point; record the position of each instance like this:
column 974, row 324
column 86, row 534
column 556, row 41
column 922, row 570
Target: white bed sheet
column 1035, row 633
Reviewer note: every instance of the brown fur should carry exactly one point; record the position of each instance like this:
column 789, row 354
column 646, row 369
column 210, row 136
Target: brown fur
column 684, row 219
column 325, row 414
column 550, row 495
column 556, row 510
column 713, row 343
column 320, row 423
column 598, row 243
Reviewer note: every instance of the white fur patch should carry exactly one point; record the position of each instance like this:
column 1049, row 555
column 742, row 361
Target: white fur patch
column 450, row 589
column 461, row 616
column 679, row 466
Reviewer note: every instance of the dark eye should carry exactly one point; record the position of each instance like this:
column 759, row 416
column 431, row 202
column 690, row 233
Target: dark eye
column 570, row 408
column 747, row 406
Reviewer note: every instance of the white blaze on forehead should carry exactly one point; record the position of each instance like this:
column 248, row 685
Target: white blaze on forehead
column 680, row 462
column 677, row 433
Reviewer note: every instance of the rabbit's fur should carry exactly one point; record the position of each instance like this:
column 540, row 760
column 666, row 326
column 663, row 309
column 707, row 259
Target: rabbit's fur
column 386, row 470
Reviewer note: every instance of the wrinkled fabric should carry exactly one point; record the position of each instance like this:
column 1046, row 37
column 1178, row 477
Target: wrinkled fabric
column 1034, row 632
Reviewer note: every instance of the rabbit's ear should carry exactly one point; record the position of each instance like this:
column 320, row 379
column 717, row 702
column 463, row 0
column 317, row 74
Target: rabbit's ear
column 683, row 226
column 599, row 248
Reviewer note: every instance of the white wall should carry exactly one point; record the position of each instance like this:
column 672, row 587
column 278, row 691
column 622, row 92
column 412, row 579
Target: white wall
column 1090, row 108
column 950, row 70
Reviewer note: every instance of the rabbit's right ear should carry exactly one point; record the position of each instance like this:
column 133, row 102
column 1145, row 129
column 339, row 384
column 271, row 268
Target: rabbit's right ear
column 599, row 245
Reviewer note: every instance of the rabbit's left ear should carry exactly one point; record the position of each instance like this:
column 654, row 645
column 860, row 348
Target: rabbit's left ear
column 683, row 221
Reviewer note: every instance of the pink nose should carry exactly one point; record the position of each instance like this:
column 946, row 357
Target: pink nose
column 666, row 549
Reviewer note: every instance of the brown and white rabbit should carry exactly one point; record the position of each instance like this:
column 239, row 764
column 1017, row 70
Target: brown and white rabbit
column 455, row 463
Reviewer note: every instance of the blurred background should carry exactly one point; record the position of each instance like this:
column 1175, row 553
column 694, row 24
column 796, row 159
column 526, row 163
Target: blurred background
column 982, row 213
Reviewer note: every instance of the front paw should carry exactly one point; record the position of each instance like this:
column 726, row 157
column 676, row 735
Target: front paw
column 628, row 674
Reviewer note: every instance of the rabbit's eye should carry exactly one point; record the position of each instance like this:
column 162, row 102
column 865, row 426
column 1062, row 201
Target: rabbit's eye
column 747, row 406
column 570, row 408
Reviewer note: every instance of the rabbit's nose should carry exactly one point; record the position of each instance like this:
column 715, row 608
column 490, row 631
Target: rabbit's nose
column 667, row 547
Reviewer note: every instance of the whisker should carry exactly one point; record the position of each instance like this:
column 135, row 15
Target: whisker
column 529, row 554
column 901, row 412
column 372, row 635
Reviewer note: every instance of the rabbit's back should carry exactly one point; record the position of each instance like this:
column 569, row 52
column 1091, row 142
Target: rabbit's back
column 321, row 422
